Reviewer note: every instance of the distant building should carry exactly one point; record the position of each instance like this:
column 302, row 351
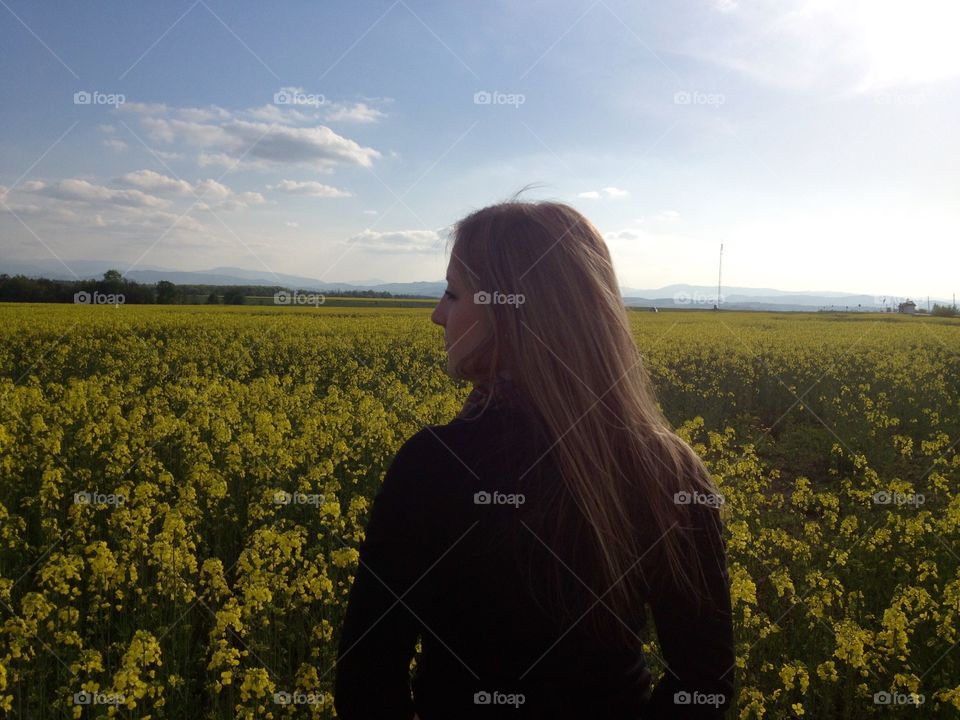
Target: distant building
column 907, row 307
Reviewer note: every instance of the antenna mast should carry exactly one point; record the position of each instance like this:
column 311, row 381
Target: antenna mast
column 719, row 278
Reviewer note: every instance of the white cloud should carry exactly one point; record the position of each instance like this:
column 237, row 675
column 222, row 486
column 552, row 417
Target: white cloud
column 194, row 133
column 223, row 197
column 398, row 241
column 615, row 192
column 906, row 43
column 143, row 108
column 262, row 137
column 309, row 188
column 115, row 144
column 858, row 46
column 165, row 219
column 206, row 114
column 212, row 189
column 283, row 144
column 156, row 182
column 83, row 191
column 80, row 204
column 284, row 114
column 158, row 129
column 241, row 201
column 610, row 192
column 628, row 235
column 356, row 112
column 144, row 201
column 221, row 159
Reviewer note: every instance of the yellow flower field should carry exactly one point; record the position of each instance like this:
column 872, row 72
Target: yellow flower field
column 182, row 490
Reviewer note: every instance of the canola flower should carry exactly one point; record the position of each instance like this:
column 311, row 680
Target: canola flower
column 183, row 489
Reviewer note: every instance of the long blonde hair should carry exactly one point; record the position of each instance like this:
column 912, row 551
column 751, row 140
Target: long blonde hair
column 569, row 350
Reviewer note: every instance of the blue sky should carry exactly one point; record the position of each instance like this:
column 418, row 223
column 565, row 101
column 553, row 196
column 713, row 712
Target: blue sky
column 816, row 140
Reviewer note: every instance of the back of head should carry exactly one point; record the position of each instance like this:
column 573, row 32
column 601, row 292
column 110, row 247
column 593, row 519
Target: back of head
column 558, row 326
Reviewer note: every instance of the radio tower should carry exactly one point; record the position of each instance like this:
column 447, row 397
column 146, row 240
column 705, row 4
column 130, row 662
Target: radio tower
column 719, row 277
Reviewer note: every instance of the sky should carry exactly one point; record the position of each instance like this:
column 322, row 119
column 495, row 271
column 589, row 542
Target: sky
column 815, row 139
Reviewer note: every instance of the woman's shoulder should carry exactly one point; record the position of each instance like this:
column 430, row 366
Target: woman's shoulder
column 482, row 432
column 437, row 455
column 435, row 473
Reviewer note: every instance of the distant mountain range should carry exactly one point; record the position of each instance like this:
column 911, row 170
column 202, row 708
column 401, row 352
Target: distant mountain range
column 671, row 296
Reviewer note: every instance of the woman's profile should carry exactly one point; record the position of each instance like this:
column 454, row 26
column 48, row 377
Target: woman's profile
column 524, row 541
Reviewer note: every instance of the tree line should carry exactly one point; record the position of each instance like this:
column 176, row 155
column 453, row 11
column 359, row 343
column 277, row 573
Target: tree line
column 20, row 288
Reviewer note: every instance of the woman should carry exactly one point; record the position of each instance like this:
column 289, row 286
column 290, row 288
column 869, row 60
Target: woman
column 523, row 541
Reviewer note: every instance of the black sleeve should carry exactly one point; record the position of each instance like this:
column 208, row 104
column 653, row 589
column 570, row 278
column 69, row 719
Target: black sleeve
column 697, row 641
column 379, row 633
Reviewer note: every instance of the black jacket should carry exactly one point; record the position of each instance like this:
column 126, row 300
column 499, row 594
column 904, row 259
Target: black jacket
column 439, row 562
